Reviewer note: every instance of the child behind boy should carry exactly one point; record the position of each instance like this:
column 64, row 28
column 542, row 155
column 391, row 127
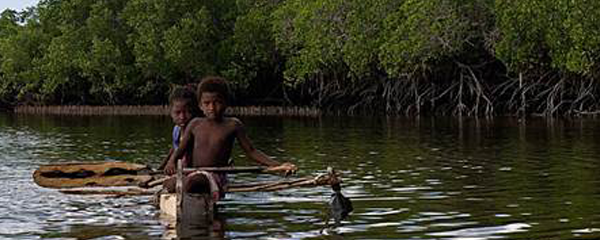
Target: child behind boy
column 183, row 108
column 211, row 141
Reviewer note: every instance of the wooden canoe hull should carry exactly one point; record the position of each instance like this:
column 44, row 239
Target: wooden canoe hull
column 195, row 208
column 93, row 174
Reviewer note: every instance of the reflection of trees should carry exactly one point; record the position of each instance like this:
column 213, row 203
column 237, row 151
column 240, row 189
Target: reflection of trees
column 140, row 139
column 214, row 229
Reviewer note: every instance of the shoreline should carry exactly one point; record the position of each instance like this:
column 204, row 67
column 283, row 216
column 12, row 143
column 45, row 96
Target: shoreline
column 138, row 110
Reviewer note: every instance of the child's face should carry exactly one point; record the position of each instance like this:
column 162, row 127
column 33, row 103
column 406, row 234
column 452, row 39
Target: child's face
column 213, row 105
column 180, row 112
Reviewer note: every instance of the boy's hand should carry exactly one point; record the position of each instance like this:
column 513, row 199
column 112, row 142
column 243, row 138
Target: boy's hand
column 287, row 168
column 170, row 168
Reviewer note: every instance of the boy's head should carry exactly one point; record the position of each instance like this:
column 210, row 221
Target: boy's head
column 213, row 94
column 184, row 105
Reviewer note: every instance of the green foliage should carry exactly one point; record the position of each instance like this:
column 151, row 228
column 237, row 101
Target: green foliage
column 175, row 41
column 147, row 20
column 251, row 47
column 365, row 30
column 574, row 35
column 421, row 32
column 364, row 36
column 188, row 45
column 21, row 54
column 60, row 63
column 311, row 34
column 522, row 28
column 132, row 51
column 106, row 65
column 561, row 34
column 8, row 23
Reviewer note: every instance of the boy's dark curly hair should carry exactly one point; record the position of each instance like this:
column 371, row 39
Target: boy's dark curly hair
column 187, row 94
column 214, row 84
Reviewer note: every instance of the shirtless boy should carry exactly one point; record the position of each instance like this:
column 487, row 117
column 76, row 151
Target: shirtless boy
column 211, row 140
column 183, row 108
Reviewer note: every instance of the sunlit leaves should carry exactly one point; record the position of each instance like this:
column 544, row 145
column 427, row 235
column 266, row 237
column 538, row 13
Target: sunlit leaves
column 421, row 32
column 188, row 45
column 251, row 48
column 563, row 34
column 20, row 54
column 62, row 61
column 112, row 52
column 312, row 34
column 397, row 36
column 8, row 23
column 365, row 31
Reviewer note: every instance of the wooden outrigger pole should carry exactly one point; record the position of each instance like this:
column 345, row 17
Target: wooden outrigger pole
column 147, row 185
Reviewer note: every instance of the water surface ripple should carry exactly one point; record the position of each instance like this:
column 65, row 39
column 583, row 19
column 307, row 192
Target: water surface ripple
column 408, row 179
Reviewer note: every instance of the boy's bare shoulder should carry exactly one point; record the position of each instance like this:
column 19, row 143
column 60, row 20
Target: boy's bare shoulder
column 195, row 120
column 235, row 122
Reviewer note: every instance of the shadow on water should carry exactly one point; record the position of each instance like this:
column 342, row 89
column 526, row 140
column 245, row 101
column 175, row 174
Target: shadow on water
column 214, row 229
column 407, row 178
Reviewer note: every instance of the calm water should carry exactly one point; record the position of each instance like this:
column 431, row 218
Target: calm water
column 409, row 179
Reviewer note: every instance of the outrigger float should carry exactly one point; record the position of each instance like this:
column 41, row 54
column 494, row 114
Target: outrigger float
column 121, row 179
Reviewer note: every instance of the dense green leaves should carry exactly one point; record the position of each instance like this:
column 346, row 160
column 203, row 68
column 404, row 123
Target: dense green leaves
column 21, row 53
column 251, row 45
column 187, row 45
column 128, row 52
column 564, row 34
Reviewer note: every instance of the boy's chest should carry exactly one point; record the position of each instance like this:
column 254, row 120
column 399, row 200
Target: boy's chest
column 215, row 135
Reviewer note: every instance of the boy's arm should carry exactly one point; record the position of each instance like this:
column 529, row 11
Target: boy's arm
column 166, row 159
column 258, row 155
column 178, row 153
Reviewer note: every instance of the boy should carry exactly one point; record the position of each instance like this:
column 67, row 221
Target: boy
column 211, row 140
column 183, row 108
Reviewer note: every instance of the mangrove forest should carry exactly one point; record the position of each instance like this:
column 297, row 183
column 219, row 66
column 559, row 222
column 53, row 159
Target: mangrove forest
column 394, row 57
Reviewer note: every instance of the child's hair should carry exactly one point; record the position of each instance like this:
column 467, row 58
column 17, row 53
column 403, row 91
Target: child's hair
column 214, row 84
column 186, row 94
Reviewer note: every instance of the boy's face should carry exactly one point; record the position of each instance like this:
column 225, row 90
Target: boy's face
column 180, row 112
column 213, row 105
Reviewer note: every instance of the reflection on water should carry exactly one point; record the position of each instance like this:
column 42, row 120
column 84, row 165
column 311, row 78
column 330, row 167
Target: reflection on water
column 215, row 229
column 408, row 179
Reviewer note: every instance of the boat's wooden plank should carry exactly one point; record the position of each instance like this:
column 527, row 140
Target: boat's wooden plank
column 102, row 174
column 125, row 180
column 107, row 174
column 97, row 168
column 179, row 192
column 117, row 191
column 194, row 206
column 230, row 169
column 168, row 205
column 321, row 180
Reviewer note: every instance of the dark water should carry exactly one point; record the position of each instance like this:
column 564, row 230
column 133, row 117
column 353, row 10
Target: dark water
column 409, row 179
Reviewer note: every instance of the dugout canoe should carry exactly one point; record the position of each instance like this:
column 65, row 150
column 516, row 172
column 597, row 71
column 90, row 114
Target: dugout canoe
column 122, row 179
column 187, row 208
